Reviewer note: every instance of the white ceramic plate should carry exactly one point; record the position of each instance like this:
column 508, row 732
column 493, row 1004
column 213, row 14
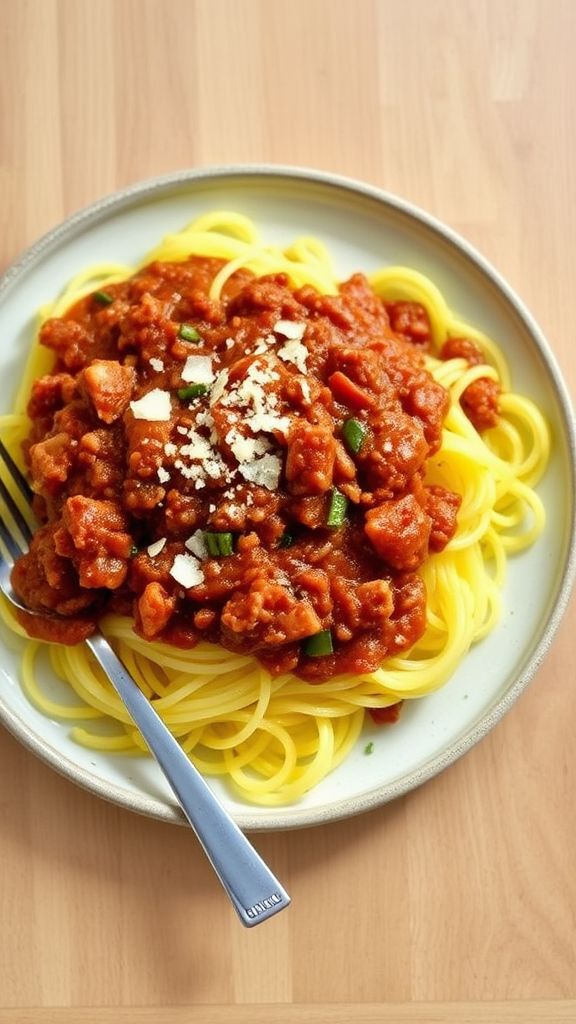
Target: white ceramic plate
column 364, row 228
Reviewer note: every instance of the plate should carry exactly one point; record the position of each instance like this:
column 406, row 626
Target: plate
column 364, row 228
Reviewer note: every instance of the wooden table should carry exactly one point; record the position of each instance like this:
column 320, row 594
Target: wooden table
column 457, row 903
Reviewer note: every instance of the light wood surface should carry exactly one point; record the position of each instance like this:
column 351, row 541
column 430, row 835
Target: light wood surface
column 457, row 903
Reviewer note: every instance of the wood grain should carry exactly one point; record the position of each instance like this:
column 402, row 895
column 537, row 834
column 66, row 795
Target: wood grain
column 457, row 903
column 522, row 1012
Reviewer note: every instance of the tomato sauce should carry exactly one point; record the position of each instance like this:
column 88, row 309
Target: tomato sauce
column 248, row 470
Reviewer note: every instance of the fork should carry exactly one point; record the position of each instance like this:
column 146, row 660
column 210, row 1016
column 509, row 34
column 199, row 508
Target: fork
column 253, row 890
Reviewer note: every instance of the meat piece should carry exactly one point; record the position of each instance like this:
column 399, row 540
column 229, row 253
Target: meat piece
column 98, row 456
column 315, row 585
column 268, row 293
column 146, row 444
column 155, row 607
column 70, row 340
column 411, row 321
column 50, row 393
column 311, row 512
column 462, row 348
column 267, row 614
column 310, row 459
column 376, row 603
column 399, row 531
column 408, row 620
column 109, row 387
column 50, row 463
column 248, row 506
column 75, row 419
column 182, row 512
column 57, row 631
column 393, row 452
column 102, row 546
column 387, row 715
column 146, row 327
column 46, row 581
column 95, row 524
column 141, row 497
column 334, row 308
column 365, row 605
column 429, row 401
column 442, row 507
column 480, row 402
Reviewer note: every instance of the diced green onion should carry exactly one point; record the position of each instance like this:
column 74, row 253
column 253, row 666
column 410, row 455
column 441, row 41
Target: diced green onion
column 369, row 748
column 337, row 510
column 318, row 645
column 192, row 391
column 225, row 543
column 104, row 298
column 189, row 333
column 354, row 432
column 219, row 544
column 286, row 540
column 211, row 541
column 133, row 551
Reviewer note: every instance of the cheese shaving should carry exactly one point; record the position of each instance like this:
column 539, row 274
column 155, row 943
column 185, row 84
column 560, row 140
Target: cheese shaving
column 155, row 548
column 198, row 370
column 290, row 329
column 155, row 406
column 265, row 471
column 186, row 571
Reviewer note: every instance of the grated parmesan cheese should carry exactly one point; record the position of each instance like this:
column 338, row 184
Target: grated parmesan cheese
column 290, row 329
column 156, row 364
column 198, row 448
column 155, row 406
column 305, row 389
column 264, row 471
column 198, row 370
column 245, row 449
column 219, row 386
column 197, row 545
column 155, row 548
column 186, row 571
column 294, row 352
column 163, row 475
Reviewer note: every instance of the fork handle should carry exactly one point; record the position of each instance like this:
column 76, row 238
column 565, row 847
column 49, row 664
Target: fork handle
column 254, row 891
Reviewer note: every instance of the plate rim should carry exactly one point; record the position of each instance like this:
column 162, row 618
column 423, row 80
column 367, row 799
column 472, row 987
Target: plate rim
column 295, row 816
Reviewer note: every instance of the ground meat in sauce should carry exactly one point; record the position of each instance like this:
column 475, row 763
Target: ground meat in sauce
column 480, row 400
column 187, row 456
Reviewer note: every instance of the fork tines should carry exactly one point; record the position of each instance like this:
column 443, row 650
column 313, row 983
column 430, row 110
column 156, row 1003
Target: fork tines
column 15, row 512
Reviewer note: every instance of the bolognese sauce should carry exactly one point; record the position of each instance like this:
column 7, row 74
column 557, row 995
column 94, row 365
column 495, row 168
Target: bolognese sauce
column 249, row 470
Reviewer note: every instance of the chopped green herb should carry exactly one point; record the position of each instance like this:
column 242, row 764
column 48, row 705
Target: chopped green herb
column 133, row 551
column 318, row 645
column 219, row 544
column 189, row 333
column 225, row 543
column 354, row 432
column 286, row 540
column 104, row 298
column 337, row 509
column 211, row 541
column 369, row 748
column 192, row 391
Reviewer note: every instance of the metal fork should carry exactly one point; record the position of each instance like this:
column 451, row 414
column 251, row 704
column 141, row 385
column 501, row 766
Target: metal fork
column 254, row 891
